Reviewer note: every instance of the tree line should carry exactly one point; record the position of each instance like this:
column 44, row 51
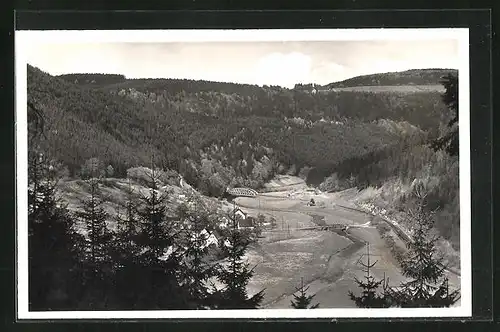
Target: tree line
column 152, row 261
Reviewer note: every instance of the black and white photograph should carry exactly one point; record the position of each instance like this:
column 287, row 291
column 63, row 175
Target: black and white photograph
column 243, row 173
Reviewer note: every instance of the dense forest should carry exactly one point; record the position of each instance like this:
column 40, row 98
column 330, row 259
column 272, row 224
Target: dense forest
column 216, row 135
column 233, row 133
column 219, row 135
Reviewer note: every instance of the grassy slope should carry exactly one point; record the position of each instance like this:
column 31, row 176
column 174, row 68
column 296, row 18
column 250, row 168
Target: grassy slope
column 114, row 194
column 394, row 88
column 409, row 77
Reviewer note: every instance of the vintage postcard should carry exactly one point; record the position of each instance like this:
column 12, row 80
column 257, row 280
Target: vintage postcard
column 243, row 173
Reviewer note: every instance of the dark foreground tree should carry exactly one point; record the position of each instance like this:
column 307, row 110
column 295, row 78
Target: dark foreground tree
column 97, row 276
column 53, row 244
column 128, row 223
column 126, row 252
column 370, row 297
column 196, row 271
column 302, row 300
column 235, row 273
column 422, row 264
column 156, row 280
column 449, row 141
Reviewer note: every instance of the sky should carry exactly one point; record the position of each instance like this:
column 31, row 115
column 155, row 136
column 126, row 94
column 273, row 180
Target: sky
column 261, row 63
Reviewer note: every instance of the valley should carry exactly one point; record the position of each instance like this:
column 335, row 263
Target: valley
column 330, row 167
column 327, row 261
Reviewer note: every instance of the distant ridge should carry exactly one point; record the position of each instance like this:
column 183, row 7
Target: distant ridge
column 431, row 76
column 92, row 78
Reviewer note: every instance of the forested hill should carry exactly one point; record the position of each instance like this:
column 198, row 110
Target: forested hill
column 97, row 79
column 409, row 77
column 222, row 134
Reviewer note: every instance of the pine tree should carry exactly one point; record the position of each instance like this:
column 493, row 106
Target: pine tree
column 235, row 274
column 95, row 217
column 449, row 141
column 53, row 244
column 369, row 297
column 98, row 265
column 126, row 252
column 196, row 271
column 428, row 285
column 157, row 285
column 152, row 217
column 303, row 301
column 128, row 222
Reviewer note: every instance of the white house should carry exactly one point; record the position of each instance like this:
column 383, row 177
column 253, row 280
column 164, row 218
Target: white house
column 239, row 214
column 243, row 220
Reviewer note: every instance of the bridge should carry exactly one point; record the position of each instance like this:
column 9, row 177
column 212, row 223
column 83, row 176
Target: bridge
column 246, row 192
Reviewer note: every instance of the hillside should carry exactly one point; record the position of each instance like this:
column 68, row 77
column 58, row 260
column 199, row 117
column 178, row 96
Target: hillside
column 215, row 134
column 394, row 88
column 413, row 77
column 219, row 135
column 128, row 182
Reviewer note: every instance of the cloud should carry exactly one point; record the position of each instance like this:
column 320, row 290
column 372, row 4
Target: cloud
column 327, row 71
column 263, row 63
column 285, row 69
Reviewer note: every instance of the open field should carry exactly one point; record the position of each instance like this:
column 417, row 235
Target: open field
column 395, row 88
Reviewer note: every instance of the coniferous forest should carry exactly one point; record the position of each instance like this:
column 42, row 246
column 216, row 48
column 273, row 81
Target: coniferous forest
column 96, row 128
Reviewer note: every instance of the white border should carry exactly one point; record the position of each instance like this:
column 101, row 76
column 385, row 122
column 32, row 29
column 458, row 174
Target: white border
column 23, row 40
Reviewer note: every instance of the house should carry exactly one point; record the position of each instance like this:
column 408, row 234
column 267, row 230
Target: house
column 239, row 214
column 243, row 220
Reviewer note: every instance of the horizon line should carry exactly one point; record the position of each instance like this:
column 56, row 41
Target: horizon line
column 239, row 83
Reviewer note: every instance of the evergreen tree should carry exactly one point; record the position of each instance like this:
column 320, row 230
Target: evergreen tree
column 428, row 285
column 128, row 221
column 449, row 141
column 98, row 265
column 369, row 297
column 95, row 217
column 303, row 301
column 157, row 285
column 126, row 252
column 196, row 270
column 53, row 244
column 235, row 273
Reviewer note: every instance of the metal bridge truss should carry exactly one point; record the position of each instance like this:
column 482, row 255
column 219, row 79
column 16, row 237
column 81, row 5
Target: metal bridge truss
column 246, row 192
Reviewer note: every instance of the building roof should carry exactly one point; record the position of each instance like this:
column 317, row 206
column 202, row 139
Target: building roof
column 237, row 209
column 248, row 222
